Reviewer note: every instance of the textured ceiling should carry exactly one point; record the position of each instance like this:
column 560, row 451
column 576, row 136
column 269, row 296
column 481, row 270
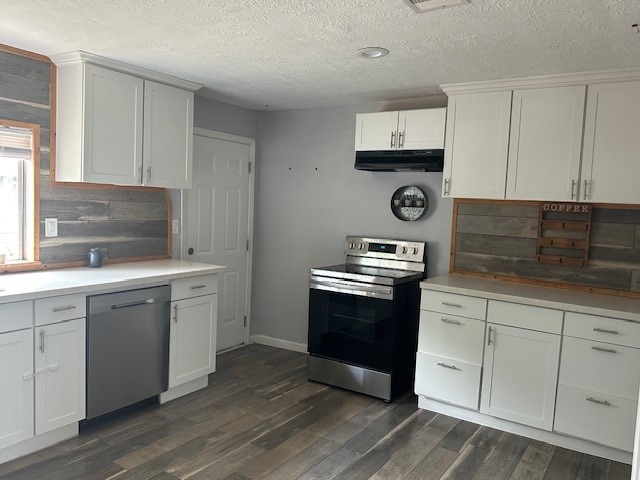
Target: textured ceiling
column 294, row 54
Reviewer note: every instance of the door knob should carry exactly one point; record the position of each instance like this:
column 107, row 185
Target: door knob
column 190, row 251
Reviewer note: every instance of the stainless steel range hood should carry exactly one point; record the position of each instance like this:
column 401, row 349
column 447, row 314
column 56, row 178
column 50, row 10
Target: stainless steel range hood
column 400, row 160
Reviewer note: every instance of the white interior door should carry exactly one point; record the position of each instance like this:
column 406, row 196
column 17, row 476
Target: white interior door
column 217, row 223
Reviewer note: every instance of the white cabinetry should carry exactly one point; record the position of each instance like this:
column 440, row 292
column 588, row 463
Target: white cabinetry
column 534, row 149
column 60, row 361
column 400, row 130
column 116, row 125
column 168, row 136
column 521, row 365
column 545, row 143
column 449, row 357
column 192, row 340
column 475, row 153
column 16, row 372
column 599, row 380
column 610, row 166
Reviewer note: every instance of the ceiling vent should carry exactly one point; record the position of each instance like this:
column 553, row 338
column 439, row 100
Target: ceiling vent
column 422, row 6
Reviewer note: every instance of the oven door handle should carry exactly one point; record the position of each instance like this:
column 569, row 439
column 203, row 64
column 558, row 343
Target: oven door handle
column 352, row 288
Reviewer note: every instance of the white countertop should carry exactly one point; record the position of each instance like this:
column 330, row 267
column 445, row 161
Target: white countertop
column 549, row 297
column 47, row 283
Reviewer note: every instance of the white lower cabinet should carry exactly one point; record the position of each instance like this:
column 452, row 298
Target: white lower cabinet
column 192, row 338
column 520, row 375
column 599, row 380
column 449, row 358
column 60, row 375
column 449, row 380
column 16, row 385
column 570, row 378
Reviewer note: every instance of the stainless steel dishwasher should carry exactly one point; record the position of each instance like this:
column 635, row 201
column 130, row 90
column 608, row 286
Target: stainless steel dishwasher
column 127, row 348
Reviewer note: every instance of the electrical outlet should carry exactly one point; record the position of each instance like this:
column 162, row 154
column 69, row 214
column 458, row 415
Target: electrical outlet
column 50, row 227
column 175, row 226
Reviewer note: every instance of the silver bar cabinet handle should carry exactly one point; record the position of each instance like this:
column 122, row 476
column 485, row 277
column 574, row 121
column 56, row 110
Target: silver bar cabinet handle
column 447, row 186
column 148, row 174
column 393, row 139
column 450, row 322
column 573, row 189
column 455, row 305
column 607, row 350
column 450, row 367
column 604, row 330
column 599, row 402
column 197, row 287
column 489, row 336
column 63, row 309
column 42, row 341
column 401, row 139
column 584, row 191
column 175, row 313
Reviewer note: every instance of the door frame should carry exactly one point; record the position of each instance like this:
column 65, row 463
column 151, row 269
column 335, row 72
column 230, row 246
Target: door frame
column 251, row 142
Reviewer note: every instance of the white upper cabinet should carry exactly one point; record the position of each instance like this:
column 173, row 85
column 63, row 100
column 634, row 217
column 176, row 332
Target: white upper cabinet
column 475, row 153
column 545, row 145
column 168, row 136
column 401, row 130
column 611, row 152
column 112, row 133
column 545, row 141
column 122, row 125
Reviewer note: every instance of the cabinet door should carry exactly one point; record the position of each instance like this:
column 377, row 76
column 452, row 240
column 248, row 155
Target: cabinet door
column 16, row 385
column 376, row 131
column 546, row 138
column 520, row 375
column 192, row 340
column 112, row 136
column 60, row 375
column 476, row 143
column 421, row 129
column 610, row 166
column 168, row 136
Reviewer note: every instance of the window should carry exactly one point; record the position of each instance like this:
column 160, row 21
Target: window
column 19, row 154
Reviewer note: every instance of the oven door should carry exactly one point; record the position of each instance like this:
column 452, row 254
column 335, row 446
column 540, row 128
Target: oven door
column 355, row 328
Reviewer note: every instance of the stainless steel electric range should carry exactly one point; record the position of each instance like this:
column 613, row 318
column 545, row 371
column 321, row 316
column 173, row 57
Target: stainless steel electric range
column 363, row 317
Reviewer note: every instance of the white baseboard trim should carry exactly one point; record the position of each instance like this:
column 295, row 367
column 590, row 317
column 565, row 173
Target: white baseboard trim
column 184, row 389
column 38, row 442
column 278, row 342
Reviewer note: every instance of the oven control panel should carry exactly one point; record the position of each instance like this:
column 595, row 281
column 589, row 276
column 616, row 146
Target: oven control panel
column 389, row 249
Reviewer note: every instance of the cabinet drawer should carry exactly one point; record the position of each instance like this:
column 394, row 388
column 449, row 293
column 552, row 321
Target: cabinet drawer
column 578, row 414
column 194, row 286
column 451, row 336
column 16, row 316
column 59, row 309
column 448, row 380
column 525, row 316
column 600, row 367
column 602, row 329
column 454, row 304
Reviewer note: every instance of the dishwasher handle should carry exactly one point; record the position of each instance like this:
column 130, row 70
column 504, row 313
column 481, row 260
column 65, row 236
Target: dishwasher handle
column 134, row 304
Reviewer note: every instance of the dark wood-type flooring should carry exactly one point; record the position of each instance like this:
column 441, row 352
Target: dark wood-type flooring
column 261, row 419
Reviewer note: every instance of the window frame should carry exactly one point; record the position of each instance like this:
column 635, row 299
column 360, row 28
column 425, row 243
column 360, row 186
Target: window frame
column 30, row 235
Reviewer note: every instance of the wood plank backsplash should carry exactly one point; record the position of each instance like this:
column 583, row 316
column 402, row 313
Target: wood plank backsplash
column 123, row 223
column 499, row 239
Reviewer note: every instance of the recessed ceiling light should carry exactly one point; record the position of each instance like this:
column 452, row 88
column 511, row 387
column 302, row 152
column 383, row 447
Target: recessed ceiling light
column 372, row 52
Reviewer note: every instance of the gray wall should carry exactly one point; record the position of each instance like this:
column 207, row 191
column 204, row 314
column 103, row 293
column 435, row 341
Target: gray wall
column 309, row 197
column 120, row 222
